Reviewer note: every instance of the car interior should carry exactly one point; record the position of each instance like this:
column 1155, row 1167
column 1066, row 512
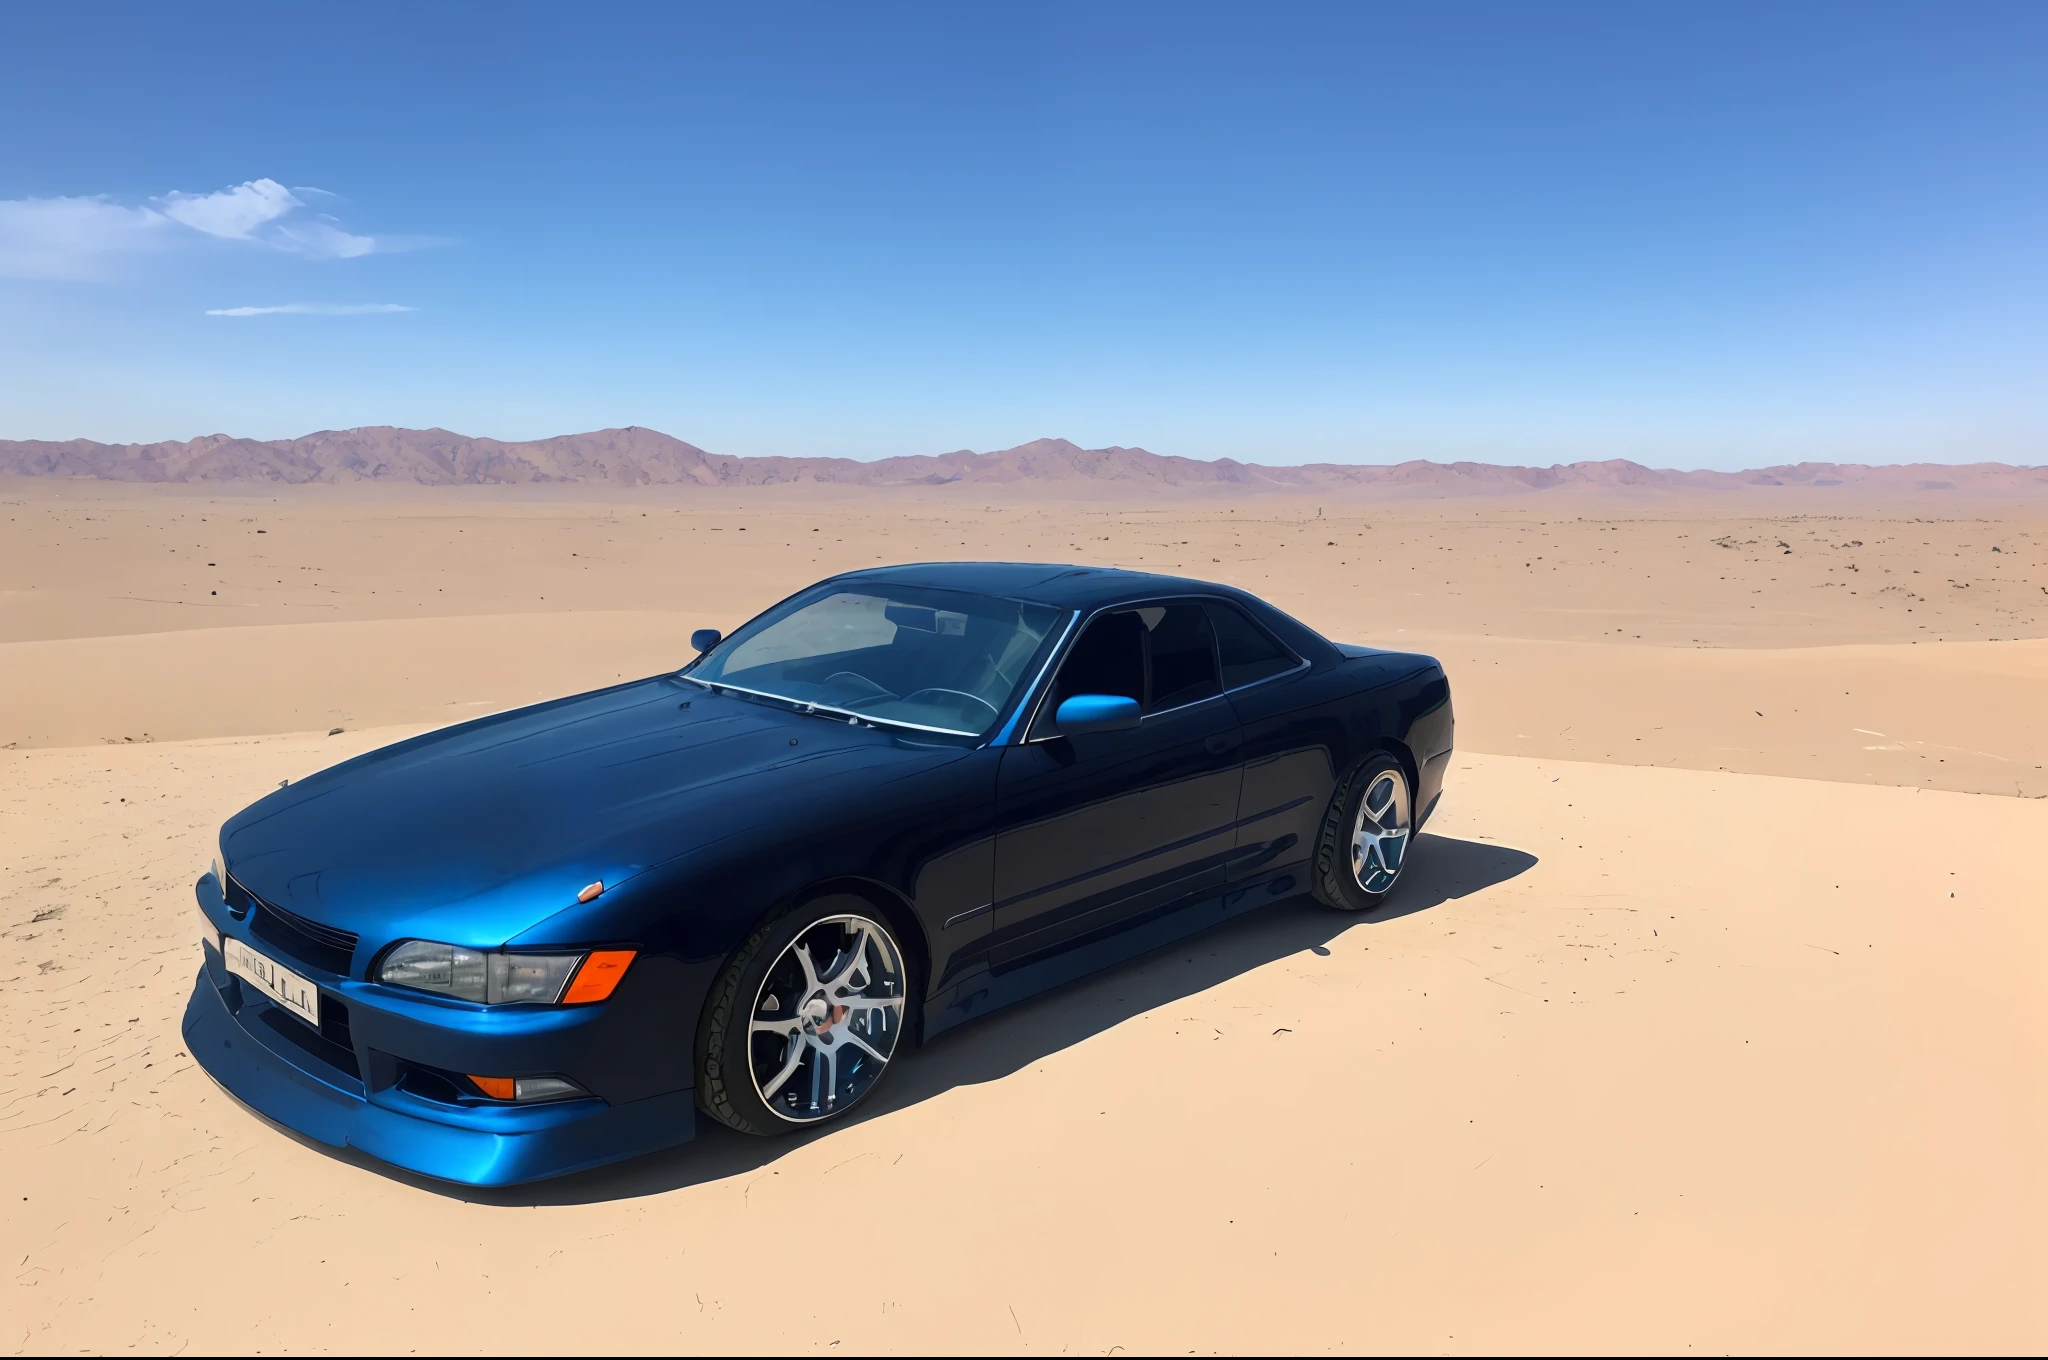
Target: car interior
column 901, row 657
column 1162, row 655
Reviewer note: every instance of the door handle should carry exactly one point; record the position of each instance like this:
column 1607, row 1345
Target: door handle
column 1221, row 742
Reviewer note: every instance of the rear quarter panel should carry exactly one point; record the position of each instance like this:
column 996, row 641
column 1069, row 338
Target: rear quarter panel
column 1303, row 732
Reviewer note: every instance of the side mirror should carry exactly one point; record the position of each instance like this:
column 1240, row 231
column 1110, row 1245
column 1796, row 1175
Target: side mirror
column 704, row 639
column 1086, row 713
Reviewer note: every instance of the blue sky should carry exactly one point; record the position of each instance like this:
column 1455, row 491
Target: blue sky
column 1717, row 235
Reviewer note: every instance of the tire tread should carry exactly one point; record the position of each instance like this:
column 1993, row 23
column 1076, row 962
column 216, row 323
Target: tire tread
column 714, row 1095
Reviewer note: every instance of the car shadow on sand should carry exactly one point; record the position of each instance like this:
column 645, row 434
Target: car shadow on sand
column 1444, row 869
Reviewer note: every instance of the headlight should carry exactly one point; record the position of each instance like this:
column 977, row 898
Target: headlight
column 496, row 977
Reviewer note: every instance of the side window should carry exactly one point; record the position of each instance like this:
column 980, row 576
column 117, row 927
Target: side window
column 1162, row 655
column 1108, row 659
column 1183, row 647
column 1247, row 653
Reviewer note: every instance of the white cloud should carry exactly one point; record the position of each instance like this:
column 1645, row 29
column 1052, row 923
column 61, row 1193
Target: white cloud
column 233, row 213
column 322, row 241
column 71, row 238
column 314, row 309
column 256, row 211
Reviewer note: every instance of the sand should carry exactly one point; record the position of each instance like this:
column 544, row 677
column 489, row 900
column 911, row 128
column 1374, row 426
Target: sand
column 1659, row 1048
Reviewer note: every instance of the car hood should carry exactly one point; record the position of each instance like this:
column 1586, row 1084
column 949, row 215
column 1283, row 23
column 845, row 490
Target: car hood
column 476, row 833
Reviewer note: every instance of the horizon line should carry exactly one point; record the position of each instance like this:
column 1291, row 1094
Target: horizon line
column 1226, row 460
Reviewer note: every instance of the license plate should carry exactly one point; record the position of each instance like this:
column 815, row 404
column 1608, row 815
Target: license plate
column 274, row 980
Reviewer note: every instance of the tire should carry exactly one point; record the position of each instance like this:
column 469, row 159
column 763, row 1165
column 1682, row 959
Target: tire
column 1345, row 878
column 804, row 1021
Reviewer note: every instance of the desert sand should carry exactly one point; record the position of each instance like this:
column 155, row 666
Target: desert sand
column 1710, row 1018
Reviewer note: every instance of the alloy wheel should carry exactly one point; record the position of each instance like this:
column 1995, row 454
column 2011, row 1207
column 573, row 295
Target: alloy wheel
column 1379, row 838
column 827, row 1018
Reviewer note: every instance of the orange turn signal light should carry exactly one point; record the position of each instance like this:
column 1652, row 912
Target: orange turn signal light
column 598, row 976
column 497, row 1088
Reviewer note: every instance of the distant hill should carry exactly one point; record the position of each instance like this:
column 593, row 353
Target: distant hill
column 641, row 457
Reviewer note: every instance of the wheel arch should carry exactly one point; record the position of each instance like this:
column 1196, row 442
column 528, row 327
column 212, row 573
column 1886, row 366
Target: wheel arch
column 1398, row 749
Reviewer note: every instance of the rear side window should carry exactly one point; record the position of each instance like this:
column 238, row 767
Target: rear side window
column 1247, row 652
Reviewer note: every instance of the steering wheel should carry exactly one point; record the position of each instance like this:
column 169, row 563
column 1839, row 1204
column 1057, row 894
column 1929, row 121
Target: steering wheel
column 860, row 679
column 958, row 693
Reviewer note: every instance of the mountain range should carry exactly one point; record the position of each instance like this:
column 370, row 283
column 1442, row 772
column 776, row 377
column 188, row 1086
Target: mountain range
column 636, row 456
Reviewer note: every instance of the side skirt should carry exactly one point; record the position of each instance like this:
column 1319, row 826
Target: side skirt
column 978, row 995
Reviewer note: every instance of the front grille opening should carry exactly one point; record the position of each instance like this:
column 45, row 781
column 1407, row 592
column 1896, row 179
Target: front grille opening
column 321, row 947
column 334, row 1024
column 332, row 936
column 431, row 1083
column 314, row 1043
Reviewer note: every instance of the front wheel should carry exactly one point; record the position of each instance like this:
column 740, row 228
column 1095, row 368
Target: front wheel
column 804, row 1019
column 1366, row 836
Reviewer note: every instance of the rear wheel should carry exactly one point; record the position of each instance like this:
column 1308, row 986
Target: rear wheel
column 1366, row 836
column 805, row 1018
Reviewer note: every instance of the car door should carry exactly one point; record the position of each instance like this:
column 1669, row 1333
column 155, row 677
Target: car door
column 1098, row 831
column 1288, row 776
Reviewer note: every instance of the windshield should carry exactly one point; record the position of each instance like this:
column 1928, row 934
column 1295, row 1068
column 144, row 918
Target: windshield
column 940, row 660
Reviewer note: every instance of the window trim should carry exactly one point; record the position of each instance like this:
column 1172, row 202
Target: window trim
column 1035, row 702
column 1027, row 702
column 1301, row 663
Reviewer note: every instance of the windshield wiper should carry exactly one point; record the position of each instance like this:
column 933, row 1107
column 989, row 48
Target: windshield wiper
column 815, row 710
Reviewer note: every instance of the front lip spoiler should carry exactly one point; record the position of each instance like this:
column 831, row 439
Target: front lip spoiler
column 587, row 1134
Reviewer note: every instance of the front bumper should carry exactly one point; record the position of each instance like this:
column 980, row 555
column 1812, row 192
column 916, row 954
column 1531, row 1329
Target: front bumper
column 348, row 1089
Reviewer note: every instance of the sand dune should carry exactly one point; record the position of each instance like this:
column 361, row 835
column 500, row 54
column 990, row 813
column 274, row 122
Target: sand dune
column 1856, row 645
column 1967, row 716
column 1648, row 1059
column 1677, row 1058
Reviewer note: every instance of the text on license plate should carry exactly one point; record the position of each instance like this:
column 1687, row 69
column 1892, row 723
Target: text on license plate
column 274, row 980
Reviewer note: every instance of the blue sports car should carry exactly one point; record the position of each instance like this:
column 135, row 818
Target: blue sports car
column 902, row 798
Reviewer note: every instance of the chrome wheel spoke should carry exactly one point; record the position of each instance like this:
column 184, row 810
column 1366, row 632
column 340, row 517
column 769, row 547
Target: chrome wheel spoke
column 1379, row 799
column 1392, row 848
column 844, row 977
column 803, row 960
column 824, row 1077
column 1380, row 835
column 797, row 1049
column 852, row 1005
column 848, row 1037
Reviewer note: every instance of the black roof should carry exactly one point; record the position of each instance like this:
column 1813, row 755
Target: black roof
column 1068, row 587
column 1082, row 588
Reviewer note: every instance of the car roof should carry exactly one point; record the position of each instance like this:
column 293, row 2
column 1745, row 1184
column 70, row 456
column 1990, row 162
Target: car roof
column 1067, row 586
